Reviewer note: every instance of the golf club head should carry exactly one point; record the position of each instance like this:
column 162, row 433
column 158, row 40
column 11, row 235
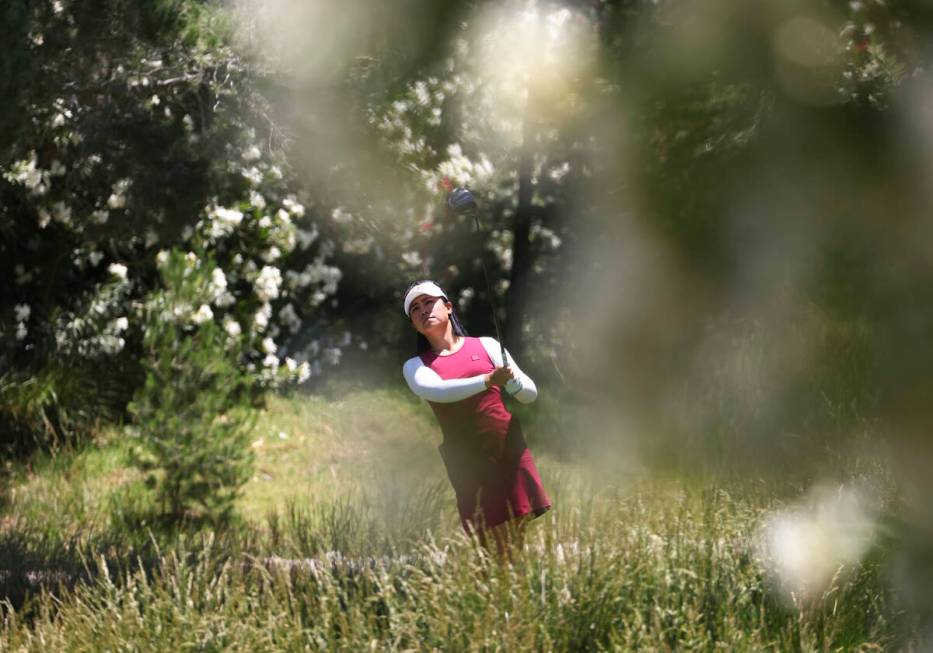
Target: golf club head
column 461, row 200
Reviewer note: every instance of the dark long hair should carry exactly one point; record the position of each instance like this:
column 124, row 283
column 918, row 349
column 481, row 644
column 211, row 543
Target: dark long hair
column 421, row 343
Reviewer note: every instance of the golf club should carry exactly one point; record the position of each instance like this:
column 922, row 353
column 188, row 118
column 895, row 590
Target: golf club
column 462, row 202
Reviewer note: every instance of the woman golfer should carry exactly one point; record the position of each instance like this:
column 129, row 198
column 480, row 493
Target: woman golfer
column 488, row 462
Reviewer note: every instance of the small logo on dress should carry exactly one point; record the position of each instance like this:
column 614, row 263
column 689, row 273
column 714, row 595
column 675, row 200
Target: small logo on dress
column 474, row 357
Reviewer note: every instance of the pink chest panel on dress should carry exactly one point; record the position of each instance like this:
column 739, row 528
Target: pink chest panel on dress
column 481, row 413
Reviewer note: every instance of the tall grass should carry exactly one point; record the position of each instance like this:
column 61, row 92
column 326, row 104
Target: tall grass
column 354, row 558
column 651, row 568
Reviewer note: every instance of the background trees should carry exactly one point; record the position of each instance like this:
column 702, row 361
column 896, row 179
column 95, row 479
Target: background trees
column 131, row 131
column 706, row 217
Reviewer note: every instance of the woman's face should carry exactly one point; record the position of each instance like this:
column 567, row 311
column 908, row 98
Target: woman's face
column 429, row 314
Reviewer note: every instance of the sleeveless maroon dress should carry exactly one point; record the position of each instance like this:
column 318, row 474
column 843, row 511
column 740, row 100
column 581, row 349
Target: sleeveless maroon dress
column 489, row 465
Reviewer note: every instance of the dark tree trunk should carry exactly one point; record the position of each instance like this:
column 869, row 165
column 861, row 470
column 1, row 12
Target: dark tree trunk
column 517, row 295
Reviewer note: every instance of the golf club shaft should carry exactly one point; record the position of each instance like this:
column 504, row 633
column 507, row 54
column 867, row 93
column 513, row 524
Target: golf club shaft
column 490, row 294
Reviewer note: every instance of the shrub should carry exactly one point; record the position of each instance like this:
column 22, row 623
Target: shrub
column 193, row 417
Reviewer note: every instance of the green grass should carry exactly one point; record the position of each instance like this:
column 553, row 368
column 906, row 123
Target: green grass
column 355, row 493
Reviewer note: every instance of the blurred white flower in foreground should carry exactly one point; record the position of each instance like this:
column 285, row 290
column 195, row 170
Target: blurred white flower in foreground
column 804, row 546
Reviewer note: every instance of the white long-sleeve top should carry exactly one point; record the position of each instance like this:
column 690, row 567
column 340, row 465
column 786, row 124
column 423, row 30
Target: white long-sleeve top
column 428, row 385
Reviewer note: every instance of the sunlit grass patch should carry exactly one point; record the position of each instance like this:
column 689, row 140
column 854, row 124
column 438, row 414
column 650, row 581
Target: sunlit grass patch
column 67, row 493
column 311, row 450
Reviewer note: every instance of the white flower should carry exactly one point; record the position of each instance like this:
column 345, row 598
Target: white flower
column 120, row 324
column 154, row 101
column 422, row 95
column 225, row 299
column 26, row 173
column 162, row 258
column 289, row 318
column 58, row 120
column 261, row 319
column 111, row 344
column 223, row 220
column 119, row 189
column 272, row 254
column 180, row 310
column 252, row 154
column 559, row 172
column 340, row 216
column 44, row 218
column 293, row 206
column 458, row 167
column 257, row 200
column 203, row 314
column 304, row 372
column 291, row 364
column 218, row 281
column 253, row 175
column 95, row 257
column 230, row 216
column 57, row 7
column 117, row 270
column 22, row 312
column 22, row 277
column 271, row 360
column 268, row 345
column 100, row 216
column 305, row 238
column 61, row 213
column 552, row 240
column 232, row 327
column 267, row 283
column 283, row 216
column 57, row 169
column 362, row 245
column 21, row 331
column 412, row 258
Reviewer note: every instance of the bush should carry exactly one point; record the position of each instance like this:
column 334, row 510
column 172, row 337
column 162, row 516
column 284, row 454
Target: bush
column 193, row 417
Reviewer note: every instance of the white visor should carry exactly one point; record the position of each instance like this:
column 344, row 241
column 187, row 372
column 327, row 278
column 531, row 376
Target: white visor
column 423, row 288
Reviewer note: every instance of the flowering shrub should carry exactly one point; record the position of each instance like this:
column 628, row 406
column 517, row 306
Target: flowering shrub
column 148, row 143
